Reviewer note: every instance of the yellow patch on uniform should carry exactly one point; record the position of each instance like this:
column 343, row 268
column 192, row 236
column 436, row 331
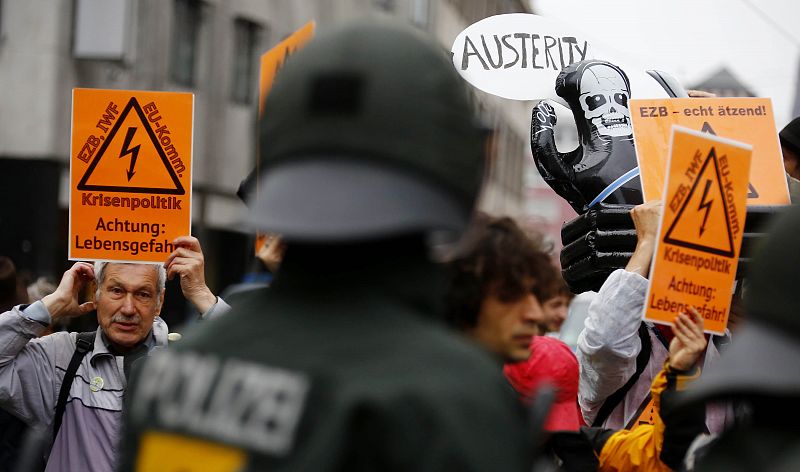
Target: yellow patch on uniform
column 165, row 452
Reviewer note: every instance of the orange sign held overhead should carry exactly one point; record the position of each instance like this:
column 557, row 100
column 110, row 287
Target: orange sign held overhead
column 748, row 120
column 273, row 60
column 701, row 229
column 130, row 174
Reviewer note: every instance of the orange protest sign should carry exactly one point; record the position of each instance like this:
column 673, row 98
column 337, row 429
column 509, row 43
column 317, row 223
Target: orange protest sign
column 130, row 174
column 748, row 120
column 701, row 229
column 273, row 60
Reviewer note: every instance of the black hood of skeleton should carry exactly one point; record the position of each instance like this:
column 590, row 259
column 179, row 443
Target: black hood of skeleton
column 596, row 147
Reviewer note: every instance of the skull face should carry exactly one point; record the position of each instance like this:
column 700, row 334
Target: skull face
column 604, row 99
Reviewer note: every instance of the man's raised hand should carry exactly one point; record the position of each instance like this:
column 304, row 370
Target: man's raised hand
column 63, row 303
column 645, row 219
column 689, row 342
column 188, row 263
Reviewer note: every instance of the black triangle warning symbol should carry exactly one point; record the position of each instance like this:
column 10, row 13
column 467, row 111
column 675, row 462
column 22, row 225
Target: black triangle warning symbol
column 132, row 161
column 707, row 128
column 702, row 222
column 751, row 190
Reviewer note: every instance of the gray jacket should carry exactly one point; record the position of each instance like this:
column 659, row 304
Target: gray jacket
column 31, row 372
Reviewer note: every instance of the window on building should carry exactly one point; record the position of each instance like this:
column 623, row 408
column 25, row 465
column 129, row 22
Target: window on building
column 185, row 40
column 246, row 36
column 385, row 5
column 420, row 10
column 100, row 29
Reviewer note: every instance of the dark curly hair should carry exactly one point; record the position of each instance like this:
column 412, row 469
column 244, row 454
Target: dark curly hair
column 559, row 288
column 496, row 257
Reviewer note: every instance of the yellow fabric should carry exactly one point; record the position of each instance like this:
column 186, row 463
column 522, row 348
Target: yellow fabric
column 683, row 381
column 164, row 452
column 639, row 447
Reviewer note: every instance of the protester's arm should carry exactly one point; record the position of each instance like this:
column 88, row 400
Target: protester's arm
column 187, row 262
column 645, row 219
column 29, row 378
column 682, row 424
column 609, row 342
column 662, row 445
column 218, row 309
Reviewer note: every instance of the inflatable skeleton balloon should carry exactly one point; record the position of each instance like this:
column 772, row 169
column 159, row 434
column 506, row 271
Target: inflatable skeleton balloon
column 600, row 178
column 603, row 168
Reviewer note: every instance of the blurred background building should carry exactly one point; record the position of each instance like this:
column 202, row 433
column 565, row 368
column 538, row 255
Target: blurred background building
column 210, row 48
column 723, row 83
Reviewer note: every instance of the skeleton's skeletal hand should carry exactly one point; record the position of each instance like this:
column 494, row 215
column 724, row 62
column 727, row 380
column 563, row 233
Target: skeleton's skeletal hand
column 544, row 117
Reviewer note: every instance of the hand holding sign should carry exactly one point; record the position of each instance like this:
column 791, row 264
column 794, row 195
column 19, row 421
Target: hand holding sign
column 188, row 263
column 689, row 341
column 645, row 219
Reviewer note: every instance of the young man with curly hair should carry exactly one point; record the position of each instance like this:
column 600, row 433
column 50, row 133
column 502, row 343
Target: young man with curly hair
column 499, row 278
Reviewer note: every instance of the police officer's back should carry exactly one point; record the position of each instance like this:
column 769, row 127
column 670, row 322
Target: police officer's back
column 368, row 145
column 760, row 370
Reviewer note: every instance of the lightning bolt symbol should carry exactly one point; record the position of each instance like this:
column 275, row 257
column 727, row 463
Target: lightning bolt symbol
column 705, row 205
column 134, row 152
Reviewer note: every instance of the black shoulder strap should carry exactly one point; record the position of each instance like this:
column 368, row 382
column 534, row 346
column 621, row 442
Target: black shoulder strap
column 641, row 362
column 84, row 343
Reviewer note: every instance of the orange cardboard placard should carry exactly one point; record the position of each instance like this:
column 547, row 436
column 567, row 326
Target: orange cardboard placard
column 748, row 120
column 701, row 229
column 273, row 60
column 130, row 174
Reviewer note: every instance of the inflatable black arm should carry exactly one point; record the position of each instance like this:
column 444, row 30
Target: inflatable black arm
column 556, row 168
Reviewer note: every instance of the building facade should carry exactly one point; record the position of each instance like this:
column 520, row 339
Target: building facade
column 209, row 48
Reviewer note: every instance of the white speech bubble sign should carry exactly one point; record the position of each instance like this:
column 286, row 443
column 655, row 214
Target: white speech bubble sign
column 519, row 56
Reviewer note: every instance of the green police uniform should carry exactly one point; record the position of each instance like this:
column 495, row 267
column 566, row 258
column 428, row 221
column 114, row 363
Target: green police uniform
column 760, row 369
column 340, row 370
column 368, row 146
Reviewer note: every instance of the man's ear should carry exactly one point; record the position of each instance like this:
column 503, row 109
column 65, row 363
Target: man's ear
column 160, row 302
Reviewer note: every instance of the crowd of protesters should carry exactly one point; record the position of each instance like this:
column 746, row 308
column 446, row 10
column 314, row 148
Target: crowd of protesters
column 403, row 330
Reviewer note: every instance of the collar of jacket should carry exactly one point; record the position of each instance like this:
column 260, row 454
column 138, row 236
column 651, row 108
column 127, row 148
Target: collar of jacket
column 157, row 337
column 399, row 269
